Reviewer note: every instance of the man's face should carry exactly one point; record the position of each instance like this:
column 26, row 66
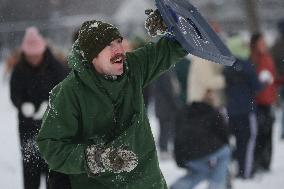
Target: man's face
column 111, row 59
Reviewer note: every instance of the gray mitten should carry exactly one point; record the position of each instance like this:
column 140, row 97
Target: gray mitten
column 115, row 160
column 93, row 158
column 154, row 23
column 119, row 160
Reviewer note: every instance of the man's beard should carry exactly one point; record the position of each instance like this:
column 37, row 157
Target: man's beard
column 116, row 59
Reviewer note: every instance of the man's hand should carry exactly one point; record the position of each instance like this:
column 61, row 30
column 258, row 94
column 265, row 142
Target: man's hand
column 154, row 23
column 119, row 160
column 115, row 160
column 93, row 158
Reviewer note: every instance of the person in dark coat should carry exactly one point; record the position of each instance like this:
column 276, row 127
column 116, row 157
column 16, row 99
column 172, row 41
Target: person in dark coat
column 33, row 77
column 166, row 106
column 277, row 52
column 241, row 87
column 181, row 71
column 201, row 145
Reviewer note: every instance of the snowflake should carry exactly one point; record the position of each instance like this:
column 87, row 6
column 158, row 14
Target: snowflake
column 94, row 25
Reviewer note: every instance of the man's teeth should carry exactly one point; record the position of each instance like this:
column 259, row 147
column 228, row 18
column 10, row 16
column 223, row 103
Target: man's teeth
column 118, row 60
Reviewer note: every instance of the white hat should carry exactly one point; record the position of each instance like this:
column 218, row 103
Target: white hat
column 33, row 43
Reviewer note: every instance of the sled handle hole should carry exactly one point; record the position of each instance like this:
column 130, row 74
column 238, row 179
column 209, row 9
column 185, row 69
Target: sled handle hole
column 195, row 28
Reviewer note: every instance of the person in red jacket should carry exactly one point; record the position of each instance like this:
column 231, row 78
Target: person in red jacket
column 265, row 99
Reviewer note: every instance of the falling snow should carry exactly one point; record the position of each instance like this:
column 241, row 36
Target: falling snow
column 94, row 25
column 31, row 150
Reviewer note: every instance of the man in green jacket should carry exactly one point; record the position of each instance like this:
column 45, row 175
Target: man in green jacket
column 96, row 129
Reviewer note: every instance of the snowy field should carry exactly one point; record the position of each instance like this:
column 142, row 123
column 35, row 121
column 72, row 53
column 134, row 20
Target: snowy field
column 10, row 160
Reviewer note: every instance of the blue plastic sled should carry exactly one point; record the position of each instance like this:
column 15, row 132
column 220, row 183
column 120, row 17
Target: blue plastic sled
column 193, row 32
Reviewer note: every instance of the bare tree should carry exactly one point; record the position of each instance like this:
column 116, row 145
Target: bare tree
column 252, row 15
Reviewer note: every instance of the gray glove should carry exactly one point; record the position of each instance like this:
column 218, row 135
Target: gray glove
column 115, row 160
column 154, row 23
column 119, row 160
column 93, row 158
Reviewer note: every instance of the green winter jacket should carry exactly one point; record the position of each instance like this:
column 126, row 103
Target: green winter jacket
column 87, row 108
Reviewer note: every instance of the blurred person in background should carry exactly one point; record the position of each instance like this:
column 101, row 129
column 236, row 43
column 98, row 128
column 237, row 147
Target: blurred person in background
column 242, row 85
column 181, row 71
column 96, row 129
column 265, row 100
column 165, row 93
column 34, row 74
column 212, row 77
column 277, row 52
column 201, row 145
column 11, row 60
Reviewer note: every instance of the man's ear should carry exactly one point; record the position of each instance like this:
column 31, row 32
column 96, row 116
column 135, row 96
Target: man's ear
column 94, row 61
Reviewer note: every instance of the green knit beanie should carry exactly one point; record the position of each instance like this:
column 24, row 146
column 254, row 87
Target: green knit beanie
column 94, row 36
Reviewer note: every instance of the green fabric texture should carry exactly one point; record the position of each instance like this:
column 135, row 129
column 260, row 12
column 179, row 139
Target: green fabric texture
column 94, row 36
column 80, row 113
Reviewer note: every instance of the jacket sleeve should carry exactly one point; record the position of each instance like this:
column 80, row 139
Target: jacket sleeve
column 57, row 136
column 253, row 81
column 16, row 88
column 155, row 58
column 221, row 129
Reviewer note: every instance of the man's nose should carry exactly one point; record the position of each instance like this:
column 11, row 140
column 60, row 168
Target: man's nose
column 118, row 48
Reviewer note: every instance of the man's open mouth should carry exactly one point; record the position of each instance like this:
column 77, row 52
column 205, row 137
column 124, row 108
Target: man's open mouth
column 118, row 59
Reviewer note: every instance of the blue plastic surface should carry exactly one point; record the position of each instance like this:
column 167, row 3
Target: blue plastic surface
column 193, row 32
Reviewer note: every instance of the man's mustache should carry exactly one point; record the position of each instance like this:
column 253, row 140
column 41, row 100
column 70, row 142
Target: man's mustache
column 117, row 56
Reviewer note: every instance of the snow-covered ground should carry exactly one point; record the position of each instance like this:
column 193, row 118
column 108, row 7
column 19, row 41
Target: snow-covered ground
column 10, row 160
